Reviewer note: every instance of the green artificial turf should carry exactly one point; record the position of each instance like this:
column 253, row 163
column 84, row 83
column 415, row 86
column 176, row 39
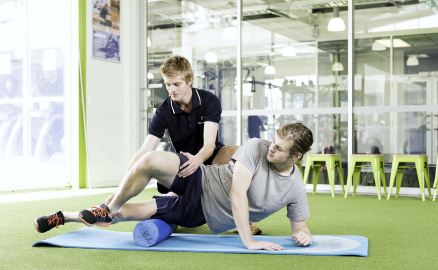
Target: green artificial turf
column 402, row 234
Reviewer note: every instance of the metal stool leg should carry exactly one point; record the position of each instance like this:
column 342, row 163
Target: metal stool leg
column 376, row 173
column 392, row 178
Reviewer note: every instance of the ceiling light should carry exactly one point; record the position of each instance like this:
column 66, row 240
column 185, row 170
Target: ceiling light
column 412, row 61
column 396, row 42
column 377, row 46
column 399, row 43
column 336, row 24
column 210, row 57
column 288, row 51
column 270, row 70
column 422, row 55
column 337, row 66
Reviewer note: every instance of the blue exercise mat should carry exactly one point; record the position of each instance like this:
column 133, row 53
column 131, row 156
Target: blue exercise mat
column 324, row 245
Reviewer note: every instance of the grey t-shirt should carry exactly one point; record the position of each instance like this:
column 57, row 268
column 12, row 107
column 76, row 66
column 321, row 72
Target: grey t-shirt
column 267, row 193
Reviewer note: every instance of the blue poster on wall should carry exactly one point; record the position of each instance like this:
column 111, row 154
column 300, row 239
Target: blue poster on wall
column 106, row 29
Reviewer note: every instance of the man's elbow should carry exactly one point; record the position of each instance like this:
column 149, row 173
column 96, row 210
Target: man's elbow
column 210, row 146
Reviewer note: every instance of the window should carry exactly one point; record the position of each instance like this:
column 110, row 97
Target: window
column 295, row 65
column 35, row 94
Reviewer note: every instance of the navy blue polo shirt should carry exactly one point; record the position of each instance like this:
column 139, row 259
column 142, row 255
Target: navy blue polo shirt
column 186, row 130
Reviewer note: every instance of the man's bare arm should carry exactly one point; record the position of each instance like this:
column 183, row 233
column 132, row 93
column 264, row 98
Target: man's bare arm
column 239, row 203
column 191, row 165
column 301, row 233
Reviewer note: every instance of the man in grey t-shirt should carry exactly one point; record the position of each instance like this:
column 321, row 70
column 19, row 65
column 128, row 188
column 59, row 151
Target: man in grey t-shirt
column 268, row 192
column 261, row 179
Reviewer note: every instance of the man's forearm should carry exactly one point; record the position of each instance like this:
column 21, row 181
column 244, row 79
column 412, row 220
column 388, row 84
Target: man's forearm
column 301, row 227
column 239, row 205
column 205, row 152
column 301, row 233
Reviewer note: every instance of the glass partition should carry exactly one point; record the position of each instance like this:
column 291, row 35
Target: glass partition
column 206, row 34
column 395, row 100
column 295, row 66
column 294, row 70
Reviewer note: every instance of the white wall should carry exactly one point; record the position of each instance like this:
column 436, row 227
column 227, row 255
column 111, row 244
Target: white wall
column 112, row 103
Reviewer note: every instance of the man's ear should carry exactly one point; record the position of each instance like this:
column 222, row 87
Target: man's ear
column 297, row 157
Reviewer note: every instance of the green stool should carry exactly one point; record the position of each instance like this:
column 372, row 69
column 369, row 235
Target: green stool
column 332, row 161
column 436, row 180
column 357, row 161
column 401, row 162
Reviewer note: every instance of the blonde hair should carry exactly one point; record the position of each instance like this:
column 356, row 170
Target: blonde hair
column 177, row 65
column 299, row 135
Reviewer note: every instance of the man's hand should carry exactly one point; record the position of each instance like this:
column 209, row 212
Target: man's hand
column 302, row 238
column 190, row 166
column 264, row 245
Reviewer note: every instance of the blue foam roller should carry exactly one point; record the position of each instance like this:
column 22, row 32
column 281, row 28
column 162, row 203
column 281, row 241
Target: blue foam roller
column 150, row 232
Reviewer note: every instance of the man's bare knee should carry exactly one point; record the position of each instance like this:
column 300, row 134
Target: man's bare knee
column 160, row 165
column 145, row 164
column 224, row 155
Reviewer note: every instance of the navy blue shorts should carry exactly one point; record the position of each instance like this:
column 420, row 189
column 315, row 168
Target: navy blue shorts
column 186, row 209
column 162, row 189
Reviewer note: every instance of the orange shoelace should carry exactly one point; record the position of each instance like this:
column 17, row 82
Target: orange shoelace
column 54, row 220
column 99, row 212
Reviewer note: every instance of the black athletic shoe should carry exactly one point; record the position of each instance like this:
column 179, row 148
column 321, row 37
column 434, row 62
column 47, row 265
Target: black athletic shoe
column 99, row 215
column 254, row 229
column 46, row 223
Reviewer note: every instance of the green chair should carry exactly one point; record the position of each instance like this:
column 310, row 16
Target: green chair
column 436, row 180
column 332, row 162
column 357, row 162
column 402, row 162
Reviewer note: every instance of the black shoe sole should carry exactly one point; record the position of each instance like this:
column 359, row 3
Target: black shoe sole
column 37, row 227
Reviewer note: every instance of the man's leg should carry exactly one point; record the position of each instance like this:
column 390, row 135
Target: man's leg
column 163, row 166
column 128, row 212
column 224, row 154
column 136, row 211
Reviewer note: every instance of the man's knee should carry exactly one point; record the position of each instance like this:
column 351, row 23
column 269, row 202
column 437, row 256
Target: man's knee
column 156, row 161
column 146, row 163
column 224, row 155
